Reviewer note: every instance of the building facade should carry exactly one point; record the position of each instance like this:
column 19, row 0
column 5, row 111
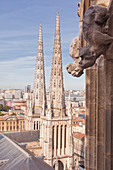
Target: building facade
column 12, row 123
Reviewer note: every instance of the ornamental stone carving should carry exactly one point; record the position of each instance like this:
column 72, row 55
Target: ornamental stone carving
column 74, row 68
column 95, row 31
column 95, row 26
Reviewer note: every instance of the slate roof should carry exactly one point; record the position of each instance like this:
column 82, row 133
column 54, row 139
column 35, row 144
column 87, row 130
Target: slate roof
column 17, row 158
column 24, row 136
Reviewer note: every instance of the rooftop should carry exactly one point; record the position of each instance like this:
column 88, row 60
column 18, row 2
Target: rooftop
column 13, row 156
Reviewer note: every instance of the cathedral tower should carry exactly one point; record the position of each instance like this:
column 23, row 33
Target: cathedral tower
column 56, row 91
column 39, row 93
column 38, row 102
column 56, row 129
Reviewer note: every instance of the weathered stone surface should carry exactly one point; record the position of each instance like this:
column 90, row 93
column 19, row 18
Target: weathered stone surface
column 74, row 68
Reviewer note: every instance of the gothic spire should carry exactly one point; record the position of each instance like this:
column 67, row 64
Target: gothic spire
column 56, row 91
column 39, row 82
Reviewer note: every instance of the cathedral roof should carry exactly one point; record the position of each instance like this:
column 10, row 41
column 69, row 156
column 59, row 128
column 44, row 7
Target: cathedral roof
column 14, row 157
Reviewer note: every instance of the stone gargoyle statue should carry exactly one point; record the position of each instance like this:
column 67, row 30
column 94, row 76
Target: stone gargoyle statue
column 74, row 68
column 95, row 32
column 95, row 26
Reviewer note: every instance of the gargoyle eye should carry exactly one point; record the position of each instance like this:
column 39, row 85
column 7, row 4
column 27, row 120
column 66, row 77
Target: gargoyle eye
column 81, row 57
column 93, row 53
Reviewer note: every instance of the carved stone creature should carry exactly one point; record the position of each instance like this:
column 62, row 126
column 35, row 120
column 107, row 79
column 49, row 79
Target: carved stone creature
column 95, row 33
column 88, row 59
column 74, row 68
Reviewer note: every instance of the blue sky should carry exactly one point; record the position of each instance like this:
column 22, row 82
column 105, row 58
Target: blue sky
column 20, row 20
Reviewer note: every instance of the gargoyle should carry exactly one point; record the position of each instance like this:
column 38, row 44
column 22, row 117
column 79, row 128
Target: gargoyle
column 95, row 26
column 74, row 68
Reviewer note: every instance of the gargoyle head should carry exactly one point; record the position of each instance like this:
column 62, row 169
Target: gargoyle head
column 101, row 14
column 74, row 69
column 88, row 57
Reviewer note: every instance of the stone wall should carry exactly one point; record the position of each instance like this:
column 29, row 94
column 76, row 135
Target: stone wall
column 99, row 112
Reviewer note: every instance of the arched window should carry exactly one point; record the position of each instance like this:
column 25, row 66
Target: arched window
column 60, row 165
column 37, row 96
column 53, row 137
column 54, row 84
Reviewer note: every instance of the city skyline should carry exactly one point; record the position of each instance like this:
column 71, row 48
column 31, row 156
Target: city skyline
column 19, row 40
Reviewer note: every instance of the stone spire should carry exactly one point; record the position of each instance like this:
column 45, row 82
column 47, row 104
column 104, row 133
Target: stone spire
column 56, row 83
column 69, row 104
column 39, row 82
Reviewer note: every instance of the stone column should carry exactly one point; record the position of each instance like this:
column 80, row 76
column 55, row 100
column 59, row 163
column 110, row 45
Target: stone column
column 90, row 131
column 100, row 114
column 55, row 140
column 108, row 132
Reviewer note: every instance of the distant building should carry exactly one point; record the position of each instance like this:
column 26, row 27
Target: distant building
column 2, row 101
column 18, row 94
column 79, row 146
column 28, row 89
column 9, row 96
column 12, row 123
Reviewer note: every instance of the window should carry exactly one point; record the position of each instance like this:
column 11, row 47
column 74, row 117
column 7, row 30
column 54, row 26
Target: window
column 37, row 96
column 54, row 84
column 34, row 125
column 37, row 124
